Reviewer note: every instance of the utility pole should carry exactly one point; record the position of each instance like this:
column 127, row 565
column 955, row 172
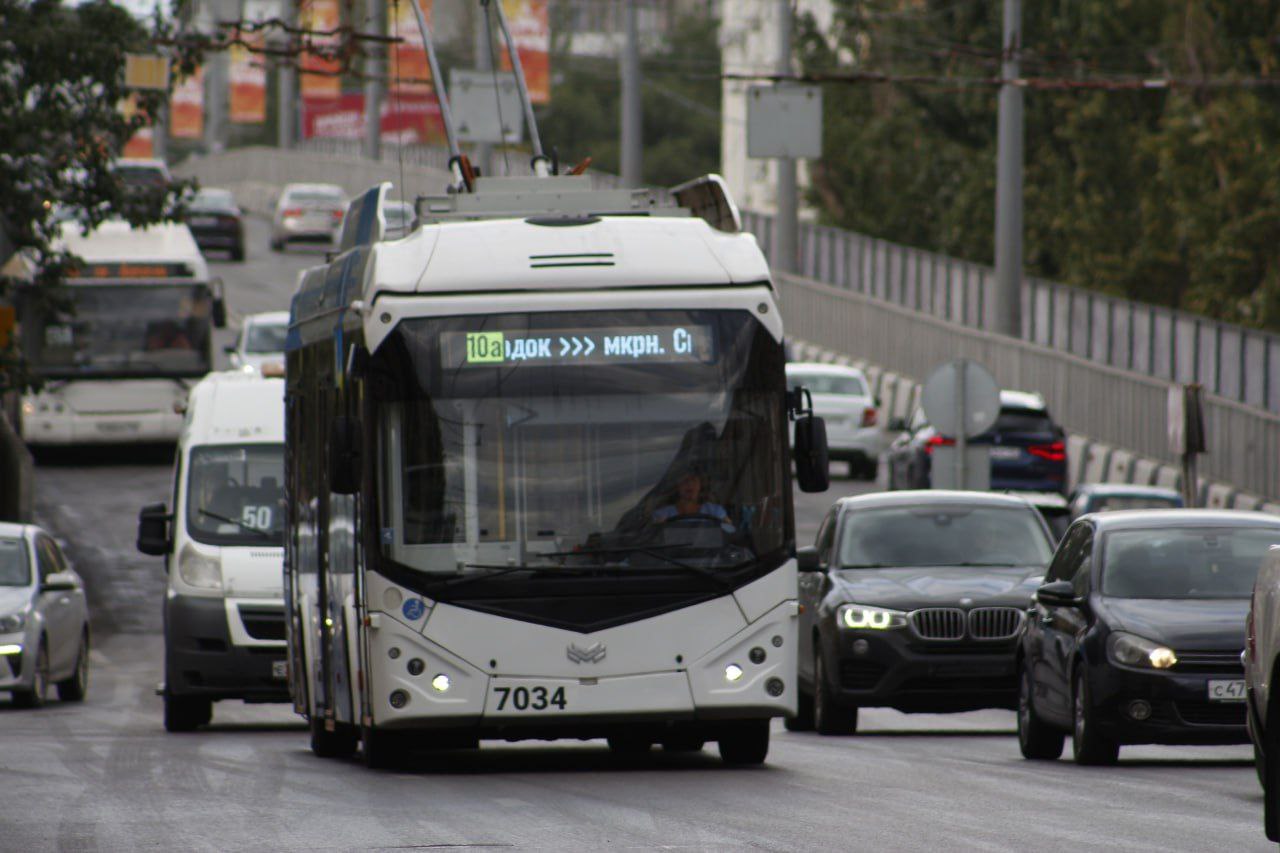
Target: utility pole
column 1007, row 316
column 216, row 87
column 784, row 255
column 632, row 162
column 375, row 80
column 286, row 83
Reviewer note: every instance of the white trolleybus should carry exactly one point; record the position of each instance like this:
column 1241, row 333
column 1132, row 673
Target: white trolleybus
column 117, row 350
column 538, row 477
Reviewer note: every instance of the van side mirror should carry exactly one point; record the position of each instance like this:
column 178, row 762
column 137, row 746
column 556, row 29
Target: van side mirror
column 58, row 582
column 1058, row 594
column 153, row 530
column 807, row 559
column 344, row 455
column 812, row 457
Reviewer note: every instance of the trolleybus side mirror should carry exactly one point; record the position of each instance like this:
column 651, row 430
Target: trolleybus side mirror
column 219, row 304
column 344, row 456
column 812, row 462
column 153, row 530
column 807, row 559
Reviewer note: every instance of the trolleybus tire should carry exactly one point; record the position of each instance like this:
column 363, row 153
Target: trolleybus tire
column 629, row 745
column 339, row 743
column 745, row 743
column 186, row 713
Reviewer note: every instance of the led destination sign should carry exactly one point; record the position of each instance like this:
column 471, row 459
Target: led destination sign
column 595, row 346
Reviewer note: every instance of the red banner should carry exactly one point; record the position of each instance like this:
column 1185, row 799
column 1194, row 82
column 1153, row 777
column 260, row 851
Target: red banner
column 409, row 69
column 318, row 77
column 186, row 107
column 248, row 85
column 405, row 118
column 531, row 31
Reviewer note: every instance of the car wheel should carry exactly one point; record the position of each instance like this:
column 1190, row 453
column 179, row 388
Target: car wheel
column 745, row 743
column 339, row 743
column 1088, row 745
column 629, row 745
column 186, row 713
column 76, row 687
column 1036, row 738
column 35, row 697
column 803, row 720
column 829, row 718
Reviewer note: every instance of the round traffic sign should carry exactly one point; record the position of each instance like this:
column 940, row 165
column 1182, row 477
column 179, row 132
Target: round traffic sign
column 961, row 392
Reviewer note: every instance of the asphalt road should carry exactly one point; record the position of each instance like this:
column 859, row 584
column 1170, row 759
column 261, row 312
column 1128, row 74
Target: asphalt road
column 104, row 775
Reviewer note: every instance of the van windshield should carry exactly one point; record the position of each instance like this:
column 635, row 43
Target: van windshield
column 235, row 495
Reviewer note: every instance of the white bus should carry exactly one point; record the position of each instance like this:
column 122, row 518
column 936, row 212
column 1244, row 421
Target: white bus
column 538, row 478
column 121, row 345
column 223, row 549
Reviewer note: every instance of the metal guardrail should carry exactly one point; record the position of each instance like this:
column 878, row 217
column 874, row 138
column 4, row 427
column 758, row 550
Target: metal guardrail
column 1229, row 360
column 1118, row 407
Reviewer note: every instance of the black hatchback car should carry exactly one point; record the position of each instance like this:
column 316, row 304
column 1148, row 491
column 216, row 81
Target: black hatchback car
column 913, row 601
column 1136, row 634
column 216, row 222
column 1028, row 449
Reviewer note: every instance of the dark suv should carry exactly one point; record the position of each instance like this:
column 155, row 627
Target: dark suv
column 1028, row 450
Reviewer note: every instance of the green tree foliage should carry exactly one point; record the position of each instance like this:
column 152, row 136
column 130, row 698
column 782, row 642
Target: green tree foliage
column 1170, row 196
column 680, row 98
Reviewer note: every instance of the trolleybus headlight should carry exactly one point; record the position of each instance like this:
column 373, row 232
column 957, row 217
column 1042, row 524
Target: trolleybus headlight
column 1132, row 650
column 440, row 683
column 867, row 618
column 199, row 571
column 732, row 672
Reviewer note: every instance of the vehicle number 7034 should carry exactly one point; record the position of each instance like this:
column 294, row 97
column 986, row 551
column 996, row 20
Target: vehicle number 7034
column 537, row 698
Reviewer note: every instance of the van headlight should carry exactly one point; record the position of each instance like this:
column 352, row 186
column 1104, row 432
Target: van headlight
column 1132, row 650
column 13, row 622
column 199, row 570
column 863, row 617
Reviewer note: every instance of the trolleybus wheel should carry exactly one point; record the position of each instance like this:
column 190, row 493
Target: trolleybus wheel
column 745, row 743
column 339, row 743
column 629, row 745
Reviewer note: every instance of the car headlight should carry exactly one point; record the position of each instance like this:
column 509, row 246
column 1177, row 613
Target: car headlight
column 867, row 617
column 198, row 570
column 13, row 622
column 1132, row 650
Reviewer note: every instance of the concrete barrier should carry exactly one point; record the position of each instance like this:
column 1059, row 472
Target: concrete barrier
column 1144, row 472
column 1120, row 468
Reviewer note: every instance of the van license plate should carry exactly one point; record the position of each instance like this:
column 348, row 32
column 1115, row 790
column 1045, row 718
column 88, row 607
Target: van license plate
column 280, row 669
column 1226, row 691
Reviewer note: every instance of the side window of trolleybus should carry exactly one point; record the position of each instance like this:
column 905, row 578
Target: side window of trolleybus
column 581, row 439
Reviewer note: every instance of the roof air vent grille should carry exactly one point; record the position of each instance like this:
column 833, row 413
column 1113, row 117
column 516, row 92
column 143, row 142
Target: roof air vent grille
column 576, row 259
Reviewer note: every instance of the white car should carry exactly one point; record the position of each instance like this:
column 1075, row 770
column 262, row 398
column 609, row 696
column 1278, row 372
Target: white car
column 842, row 397
column 308, row 212
column 44, row 621
column 261, row 340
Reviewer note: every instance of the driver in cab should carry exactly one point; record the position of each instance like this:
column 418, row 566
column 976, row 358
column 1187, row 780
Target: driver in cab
column 690, row 503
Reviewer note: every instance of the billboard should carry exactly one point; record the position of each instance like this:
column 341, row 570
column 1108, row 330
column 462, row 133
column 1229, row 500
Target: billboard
column 142, row 143
column 409, row 69
column 248, row 84
column 318, row 76
column 186, row 107
column 531, row 31
column 406, row 118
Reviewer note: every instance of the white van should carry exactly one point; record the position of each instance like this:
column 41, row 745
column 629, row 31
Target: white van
column 224, row 631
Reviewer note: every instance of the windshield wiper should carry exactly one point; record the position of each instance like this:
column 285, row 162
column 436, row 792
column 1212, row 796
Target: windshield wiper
column 266, row 534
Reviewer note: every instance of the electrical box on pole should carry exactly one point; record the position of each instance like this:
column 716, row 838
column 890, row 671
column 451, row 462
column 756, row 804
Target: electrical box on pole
column 486, row 106
column 784, row 120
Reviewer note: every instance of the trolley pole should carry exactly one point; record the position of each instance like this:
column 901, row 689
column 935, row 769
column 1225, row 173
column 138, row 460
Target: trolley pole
column 632, row 164
column 484, row 62
column 375, row 84
column 1007, row 316
column 784, row 256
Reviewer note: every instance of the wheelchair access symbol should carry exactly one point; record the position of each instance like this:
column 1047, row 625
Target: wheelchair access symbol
column 413, row 609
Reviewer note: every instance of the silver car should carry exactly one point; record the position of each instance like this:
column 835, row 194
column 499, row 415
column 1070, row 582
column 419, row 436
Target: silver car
column 44, row 621
column 308, row 212
column 842, row 397
column 261, row 340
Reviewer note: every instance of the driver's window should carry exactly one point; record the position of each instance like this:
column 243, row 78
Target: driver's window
column 1064, row 561
column 46, row 559
column 1081, row 564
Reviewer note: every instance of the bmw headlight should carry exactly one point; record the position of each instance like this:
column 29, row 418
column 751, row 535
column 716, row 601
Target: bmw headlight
column 1132, row 650
column 198, row 570
column 13, row 622
column 867, row 617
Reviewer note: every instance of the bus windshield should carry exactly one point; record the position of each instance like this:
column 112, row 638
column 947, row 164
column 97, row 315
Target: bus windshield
column 624, row 441
column 124, row 330
column 235, row 494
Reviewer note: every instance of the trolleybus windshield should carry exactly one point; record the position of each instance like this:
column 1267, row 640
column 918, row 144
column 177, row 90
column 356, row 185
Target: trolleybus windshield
column 629, row 442
column 124, row 330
